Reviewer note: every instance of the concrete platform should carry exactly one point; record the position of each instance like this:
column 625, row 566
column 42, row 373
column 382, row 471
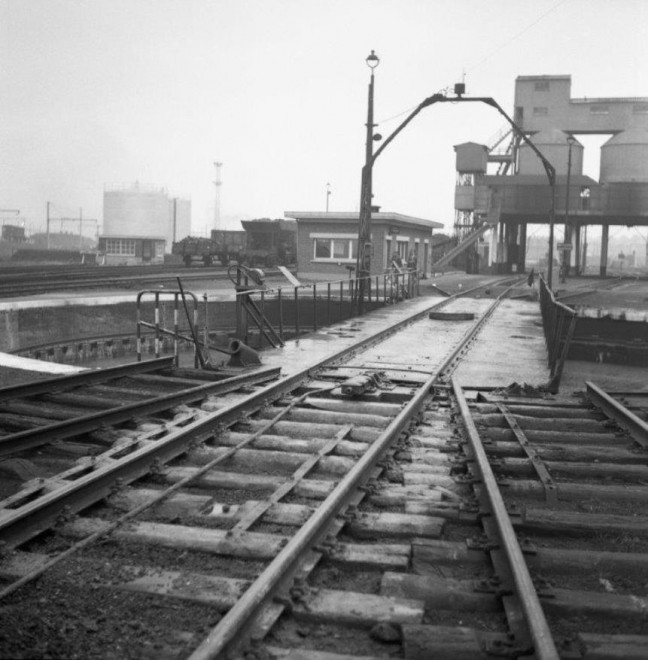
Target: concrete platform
column 510, row 349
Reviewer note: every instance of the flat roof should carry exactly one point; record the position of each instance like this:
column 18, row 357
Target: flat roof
column 538, row 180
column 546, row 77
column 135, row 238
column 355, row 216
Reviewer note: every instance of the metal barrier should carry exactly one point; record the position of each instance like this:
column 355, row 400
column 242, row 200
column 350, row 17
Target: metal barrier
column 311, row 306
column 559, row 322
column 161, row 331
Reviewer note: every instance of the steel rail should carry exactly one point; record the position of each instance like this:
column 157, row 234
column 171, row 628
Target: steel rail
column 161, row 495
column 17, row 527
column 89, row 377
column 41, row 435
column 544, row 645
column 102, row 478
column 227, row 632
column 614, row 409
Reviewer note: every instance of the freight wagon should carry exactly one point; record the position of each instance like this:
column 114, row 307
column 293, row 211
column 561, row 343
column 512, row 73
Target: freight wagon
column 262, row 242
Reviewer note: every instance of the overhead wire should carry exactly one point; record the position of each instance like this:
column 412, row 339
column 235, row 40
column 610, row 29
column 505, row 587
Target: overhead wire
column 444, row 90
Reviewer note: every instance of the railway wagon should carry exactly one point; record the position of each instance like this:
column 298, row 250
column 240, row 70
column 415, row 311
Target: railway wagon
column 262, row 242
column 270, row 242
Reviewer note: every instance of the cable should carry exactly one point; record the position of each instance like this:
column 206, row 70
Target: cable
column 486, row 57
column 519, row 34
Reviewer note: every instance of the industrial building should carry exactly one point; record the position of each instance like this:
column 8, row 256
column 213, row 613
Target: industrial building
column 141, row 223
column 519, row 192
column 327, row 242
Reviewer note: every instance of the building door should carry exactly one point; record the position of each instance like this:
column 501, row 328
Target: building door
column 147, row 251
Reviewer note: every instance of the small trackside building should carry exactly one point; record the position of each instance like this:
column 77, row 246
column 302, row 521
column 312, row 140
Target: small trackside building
column 121, row 250
column 327, row 242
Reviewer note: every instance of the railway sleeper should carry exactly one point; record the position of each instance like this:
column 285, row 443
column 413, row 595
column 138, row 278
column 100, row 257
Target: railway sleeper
column 202, row 510
column 556, row 423
column 470, row 595
column 310, row 416
column 537, row 520
column 429, row 554
column 531, row 410
column 523, row 467
column 570, row 453
column 287, row 444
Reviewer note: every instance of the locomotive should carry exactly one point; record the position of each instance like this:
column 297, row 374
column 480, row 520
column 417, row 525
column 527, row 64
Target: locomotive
column 263, row 242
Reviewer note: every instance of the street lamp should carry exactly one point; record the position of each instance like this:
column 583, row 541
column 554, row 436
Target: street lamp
column 566, row 256
column 363, row 262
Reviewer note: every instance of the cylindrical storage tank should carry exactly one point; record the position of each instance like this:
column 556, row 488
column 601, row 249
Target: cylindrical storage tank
column 136, row 211
column 553, row 145
column 624, row 157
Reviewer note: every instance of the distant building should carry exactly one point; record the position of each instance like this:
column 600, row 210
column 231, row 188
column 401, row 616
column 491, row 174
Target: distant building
column 141, row 223
column 327, row 242
column 519, row 194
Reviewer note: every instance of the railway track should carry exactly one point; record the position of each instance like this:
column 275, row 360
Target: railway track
column 20, row 282
column 366, row 507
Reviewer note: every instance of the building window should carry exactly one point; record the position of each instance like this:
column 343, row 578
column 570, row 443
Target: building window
column 540, row 111
column 541, row 86
column 464, row 179
column 640, row 109
column 337, row 248
column 122, row 246
column 403, row 248
column 599, row 110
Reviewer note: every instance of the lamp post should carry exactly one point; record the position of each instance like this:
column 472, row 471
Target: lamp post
column 363, row 262
column 328, row 194
column 566, row 256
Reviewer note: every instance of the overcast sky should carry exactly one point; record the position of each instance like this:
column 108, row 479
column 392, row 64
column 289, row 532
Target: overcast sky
column 103, row 92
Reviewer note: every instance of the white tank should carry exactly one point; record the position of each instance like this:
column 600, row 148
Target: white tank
column 145, row 211
column 136, row 211
column 553, row 144
column 624, row 157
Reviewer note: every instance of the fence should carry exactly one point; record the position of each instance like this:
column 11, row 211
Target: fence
column 273, row 315
column 292, row 311
column 558, row 322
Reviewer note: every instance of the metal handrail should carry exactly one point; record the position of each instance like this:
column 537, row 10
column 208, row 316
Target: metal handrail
column 559, row 323
column 159, row 330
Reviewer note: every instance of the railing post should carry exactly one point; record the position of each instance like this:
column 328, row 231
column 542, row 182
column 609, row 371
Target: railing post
column 314, row 307
column 206, row 327
column 139, row 328
column 157, row 324
column 280, row 305
column 296, row 312
column 341, row 299
column 197, row 362
column 328, row 304
column 176, row 329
